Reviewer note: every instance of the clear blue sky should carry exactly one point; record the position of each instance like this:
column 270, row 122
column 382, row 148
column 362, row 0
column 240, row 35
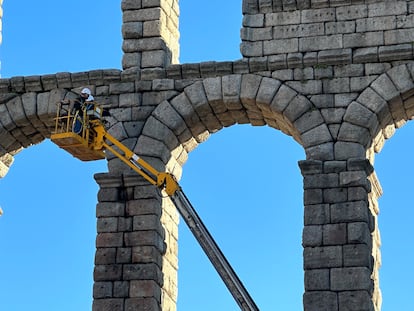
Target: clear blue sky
column 244, row 181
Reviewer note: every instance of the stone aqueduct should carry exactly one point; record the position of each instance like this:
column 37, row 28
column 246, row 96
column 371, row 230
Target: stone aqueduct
column 336, row 75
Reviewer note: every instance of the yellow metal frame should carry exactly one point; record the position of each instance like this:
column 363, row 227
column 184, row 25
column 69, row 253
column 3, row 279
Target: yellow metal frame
column 160, row 179
column 79, row 145
column 92, row 142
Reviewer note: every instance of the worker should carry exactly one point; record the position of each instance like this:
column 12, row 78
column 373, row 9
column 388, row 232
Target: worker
column 85, row 101
column 88, row 104
column 85, row 95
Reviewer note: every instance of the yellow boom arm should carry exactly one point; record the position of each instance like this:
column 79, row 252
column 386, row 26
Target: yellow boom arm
column 159, row 179
column 83, row 135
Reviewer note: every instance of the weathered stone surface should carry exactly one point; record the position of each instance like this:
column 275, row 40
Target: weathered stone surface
column 349, row 212
column 322, row 257
column 108, row 305
column 317, row 279
column 320, row 301
column 312, row 236
column 357, row 255
column 104, row 273
column 354, row 300
column 358, row 278
column 317, row 214
column 336, row 75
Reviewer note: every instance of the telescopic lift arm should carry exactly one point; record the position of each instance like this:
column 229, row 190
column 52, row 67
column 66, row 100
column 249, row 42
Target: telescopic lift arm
column 167, row 182
column 99, row 140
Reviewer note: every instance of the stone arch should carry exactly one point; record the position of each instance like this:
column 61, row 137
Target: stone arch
column 178, row 125
column 27, row 119
column 384, row 106
column 206, row 106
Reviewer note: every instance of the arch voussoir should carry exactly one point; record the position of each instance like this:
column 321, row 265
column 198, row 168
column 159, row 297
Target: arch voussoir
column 166, row 114
column 402, row 79
column 296, row 108
column 153, row 148
column 176, row 121
column 249, row 90
column 231, row 87
column 267, row 90
column 156, row 129
column 16, row 110
column 316, row 136
column 213, row 89
column 6, row 119
column 360, row 115
column 376, row 103
column 308, row 120
column 390, row 99
column 350, row 132
column 282, row 98
column 384, row 86
column 364, row 117
column 185, row 109
column 198, row 99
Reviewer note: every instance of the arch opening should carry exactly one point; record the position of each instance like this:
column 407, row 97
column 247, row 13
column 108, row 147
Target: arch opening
column 394, row 220
column 392, row 93
column 210, row 45
column 49, row 230
column 244, row 181
column 207, row 106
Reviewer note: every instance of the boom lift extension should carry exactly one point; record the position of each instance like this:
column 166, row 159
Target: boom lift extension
column 91, row 143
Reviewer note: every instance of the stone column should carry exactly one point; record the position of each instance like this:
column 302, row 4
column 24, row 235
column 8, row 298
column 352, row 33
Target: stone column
column 337, row 236
column 135, row 261
column 150, row 33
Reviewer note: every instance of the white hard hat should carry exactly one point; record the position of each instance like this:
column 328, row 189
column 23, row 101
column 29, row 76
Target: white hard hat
column 86, row 91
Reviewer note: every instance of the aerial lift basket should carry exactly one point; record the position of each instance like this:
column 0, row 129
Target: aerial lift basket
column 73, row 133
